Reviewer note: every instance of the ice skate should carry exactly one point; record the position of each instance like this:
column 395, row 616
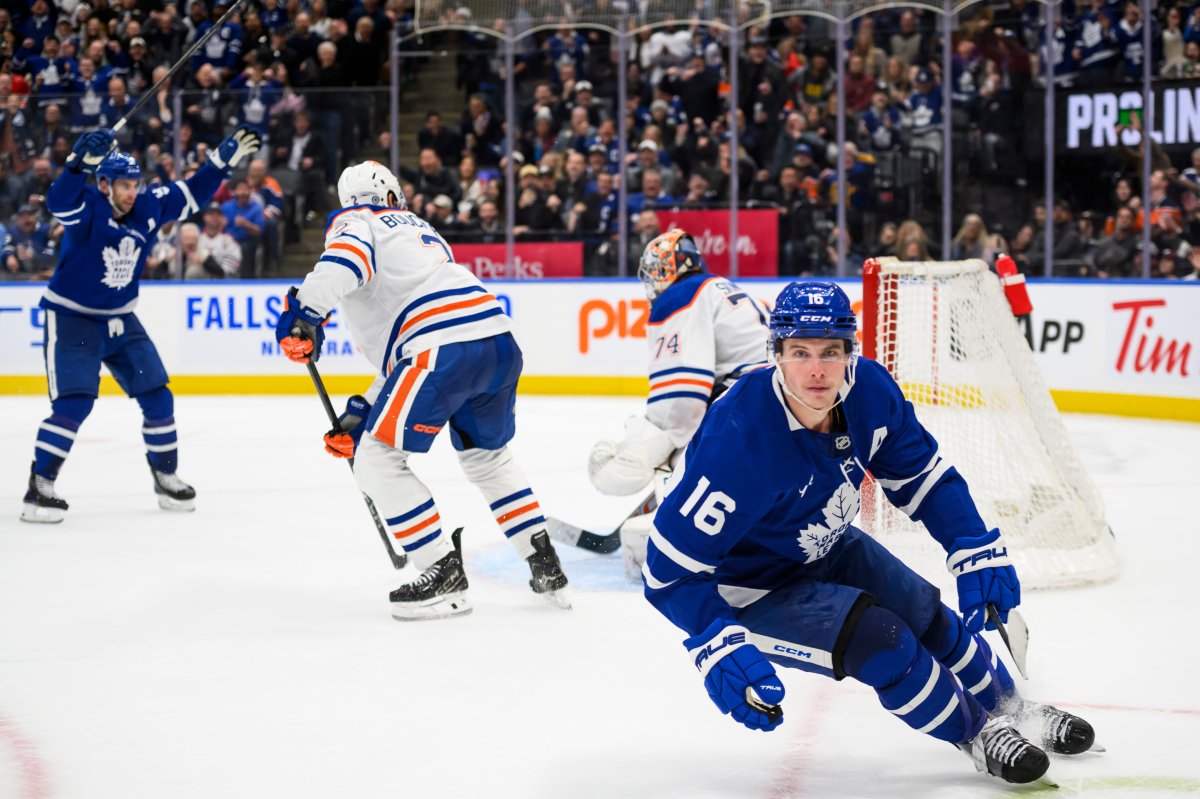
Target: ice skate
column 440, row 591
column 173, row 493
column 547, row 578
column 1000, row 750
column 42, row 505
column 1060, row 732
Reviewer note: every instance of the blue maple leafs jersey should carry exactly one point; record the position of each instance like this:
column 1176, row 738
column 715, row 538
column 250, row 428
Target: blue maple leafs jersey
column 102, row 259
column 757, row 496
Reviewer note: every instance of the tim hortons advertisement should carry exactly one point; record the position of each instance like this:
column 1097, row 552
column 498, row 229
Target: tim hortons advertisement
column 530, row 259
column 757, row 238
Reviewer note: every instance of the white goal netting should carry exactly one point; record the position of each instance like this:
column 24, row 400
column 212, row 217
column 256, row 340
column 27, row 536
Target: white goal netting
column 945, row 332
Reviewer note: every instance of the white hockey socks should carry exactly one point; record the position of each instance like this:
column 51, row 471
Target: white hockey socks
column 507, row 492
column 404, row 503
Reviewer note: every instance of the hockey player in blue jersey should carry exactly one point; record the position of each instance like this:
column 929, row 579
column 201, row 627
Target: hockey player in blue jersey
column 109, row 230
column 754, row 556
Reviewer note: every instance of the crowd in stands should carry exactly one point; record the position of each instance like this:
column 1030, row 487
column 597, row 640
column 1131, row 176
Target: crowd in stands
column 306, row 73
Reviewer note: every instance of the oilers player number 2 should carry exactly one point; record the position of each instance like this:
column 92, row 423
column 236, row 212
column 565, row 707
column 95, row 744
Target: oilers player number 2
column 710, row 518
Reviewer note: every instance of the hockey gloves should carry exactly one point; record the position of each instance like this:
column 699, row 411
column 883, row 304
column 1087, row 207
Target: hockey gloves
column 626, row 468
column 244, row 142
column 985, row 577
column 341, row 440
column 90, row 149
column 300, row 331
column 739, row 680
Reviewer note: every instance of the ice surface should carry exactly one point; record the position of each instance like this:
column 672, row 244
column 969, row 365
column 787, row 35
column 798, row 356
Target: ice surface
column 246, row 650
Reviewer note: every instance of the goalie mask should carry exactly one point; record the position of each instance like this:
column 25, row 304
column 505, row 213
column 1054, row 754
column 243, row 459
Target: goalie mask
column 813, row 310
column 666, row 258
column 369, row 183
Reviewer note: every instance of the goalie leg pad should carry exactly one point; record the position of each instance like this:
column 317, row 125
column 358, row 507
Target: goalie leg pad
column 405, row 504
column 506, row 490
column 910, row 683
column 971, row 660
column 635, row 533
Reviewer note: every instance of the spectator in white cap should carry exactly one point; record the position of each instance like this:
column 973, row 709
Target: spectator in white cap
column 585, row 98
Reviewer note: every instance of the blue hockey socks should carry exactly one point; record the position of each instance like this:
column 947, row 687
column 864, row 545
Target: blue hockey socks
column 158, row 429
column 884, row 654
column 970, row 659
column 56, row 434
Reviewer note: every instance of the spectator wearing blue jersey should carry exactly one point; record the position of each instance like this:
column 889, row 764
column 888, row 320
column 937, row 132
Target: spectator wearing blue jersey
column 29, row 248
column 244, row 220
column 87, row 91
column 38, row 25
column 255, row 91
column 1062, row 57
column 925, row 102
column 1129, row 43
column 114, row 107
column 1095, row 48
column 50, row 72
column 109, row 230
column 224, row 49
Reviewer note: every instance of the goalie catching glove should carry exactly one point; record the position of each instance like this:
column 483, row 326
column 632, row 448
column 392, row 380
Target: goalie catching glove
column 739, row 679
column 341, row 440
column 242, row 143
column 628, row 467
column 985, row 577
column 300, row 330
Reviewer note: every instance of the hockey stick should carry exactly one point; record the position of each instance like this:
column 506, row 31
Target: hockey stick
column 1018, row 641
column 398, row 561
column 183, row 59
column 602, row 543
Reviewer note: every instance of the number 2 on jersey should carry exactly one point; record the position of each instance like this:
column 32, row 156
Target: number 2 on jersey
column 710, row 518
column 434, row 240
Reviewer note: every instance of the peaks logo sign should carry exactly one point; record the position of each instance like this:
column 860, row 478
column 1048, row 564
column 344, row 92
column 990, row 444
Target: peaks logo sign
column 530, row 260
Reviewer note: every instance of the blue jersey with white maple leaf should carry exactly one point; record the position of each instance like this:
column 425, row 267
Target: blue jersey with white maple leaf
column 758, row 497
column 103, row 257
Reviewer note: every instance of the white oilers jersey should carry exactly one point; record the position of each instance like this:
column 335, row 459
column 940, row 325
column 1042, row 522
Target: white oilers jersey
column 396, row 281
column 704, row 333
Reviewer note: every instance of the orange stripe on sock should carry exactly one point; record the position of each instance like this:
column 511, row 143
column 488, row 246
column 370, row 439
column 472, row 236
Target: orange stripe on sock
column 682, row 382
column 514, row 513
column 416, row 528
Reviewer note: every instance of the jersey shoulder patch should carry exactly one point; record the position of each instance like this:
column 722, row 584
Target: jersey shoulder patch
column 678, row 296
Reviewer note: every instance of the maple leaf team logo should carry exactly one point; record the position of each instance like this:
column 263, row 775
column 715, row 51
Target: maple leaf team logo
column 817, row 539
column 120, row 263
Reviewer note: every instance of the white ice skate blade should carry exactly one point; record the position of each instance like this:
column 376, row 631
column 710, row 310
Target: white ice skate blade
column 559, row 599
column 442, row 607
column 176, row 505
column 40, row 515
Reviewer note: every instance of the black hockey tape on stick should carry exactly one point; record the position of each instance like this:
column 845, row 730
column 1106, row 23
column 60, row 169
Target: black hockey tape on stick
column 603, row 543
column 398, row 561
column 183, row 59
column 773, row 712
column 1017, row 644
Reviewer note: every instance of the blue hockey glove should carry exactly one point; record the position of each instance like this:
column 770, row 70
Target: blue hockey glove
column 985, row 577
column 300, row 331
column 244, row 142
column 341, row 440
column 90, row 149
column 739, row 680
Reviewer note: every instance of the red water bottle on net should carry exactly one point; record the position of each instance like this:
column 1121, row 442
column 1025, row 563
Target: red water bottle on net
column 1015, row 290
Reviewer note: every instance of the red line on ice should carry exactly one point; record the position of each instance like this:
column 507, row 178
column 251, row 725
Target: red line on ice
column 35, row 783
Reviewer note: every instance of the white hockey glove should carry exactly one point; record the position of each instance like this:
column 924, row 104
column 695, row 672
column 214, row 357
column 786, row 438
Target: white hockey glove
column 243, row 143
column 626, row 468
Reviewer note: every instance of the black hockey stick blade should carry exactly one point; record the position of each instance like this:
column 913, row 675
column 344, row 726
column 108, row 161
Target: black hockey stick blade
column 603, row 543
column 1015, row 636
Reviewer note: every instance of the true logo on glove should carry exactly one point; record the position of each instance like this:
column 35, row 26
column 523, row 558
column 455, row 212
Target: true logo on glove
column 733, row 639
column 975, row 557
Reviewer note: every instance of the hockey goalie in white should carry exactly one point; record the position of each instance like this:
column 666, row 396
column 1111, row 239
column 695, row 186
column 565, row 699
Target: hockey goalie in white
column 704, row 333
column 444, row 357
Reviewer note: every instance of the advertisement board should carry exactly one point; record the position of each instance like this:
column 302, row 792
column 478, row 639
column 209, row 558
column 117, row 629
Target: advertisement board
column 1086, row 119
column 531, row 259
column 1129, row 347
column 757, row 239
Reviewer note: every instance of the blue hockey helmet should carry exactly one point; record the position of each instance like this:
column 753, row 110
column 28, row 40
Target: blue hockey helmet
column 812, row 310
column 119, row 166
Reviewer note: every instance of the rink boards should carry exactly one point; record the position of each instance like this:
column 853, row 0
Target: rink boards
column 1130, row 347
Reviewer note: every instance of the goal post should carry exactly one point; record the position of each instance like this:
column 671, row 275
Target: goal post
column 946, row 334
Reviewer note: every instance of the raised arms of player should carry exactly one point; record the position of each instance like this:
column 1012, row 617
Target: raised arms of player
column 717, row 496
column 182, row 198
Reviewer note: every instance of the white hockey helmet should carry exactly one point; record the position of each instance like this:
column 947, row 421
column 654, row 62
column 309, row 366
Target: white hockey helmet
column 368, row 183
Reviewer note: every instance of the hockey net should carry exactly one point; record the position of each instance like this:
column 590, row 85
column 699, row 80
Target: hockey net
column 948, row 337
